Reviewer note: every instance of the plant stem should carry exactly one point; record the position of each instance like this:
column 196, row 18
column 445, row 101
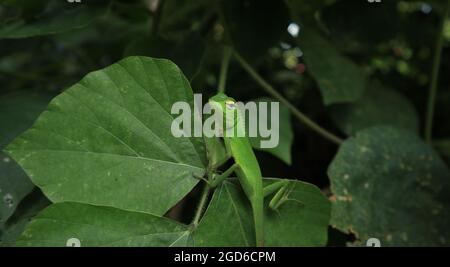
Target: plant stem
column 297, row 113
column 157, row 17
column 201, row 205
column 206, row 189
column 434, row 77
column 224, row 69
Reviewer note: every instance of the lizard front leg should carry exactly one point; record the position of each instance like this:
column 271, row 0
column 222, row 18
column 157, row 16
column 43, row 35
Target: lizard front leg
column 217, row 179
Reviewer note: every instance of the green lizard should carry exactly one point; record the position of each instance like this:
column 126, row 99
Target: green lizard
column 245, row 166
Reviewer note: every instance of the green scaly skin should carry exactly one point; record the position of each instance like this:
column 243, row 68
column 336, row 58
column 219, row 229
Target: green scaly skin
column 246, row 165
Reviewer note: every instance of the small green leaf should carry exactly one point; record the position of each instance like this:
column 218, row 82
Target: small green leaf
column 378, row 106
column 54, row 18
column 302, row 221
column 107, row 140
column 17, row 112
column 339, row 79
column 388, row 184
column 96, row 226
column 283, row 149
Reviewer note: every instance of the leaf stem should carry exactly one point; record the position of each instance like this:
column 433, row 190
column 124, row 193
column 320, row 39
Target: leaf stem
column 201, row 205
column 224, row 69
column 297, row 113
column 435, row 77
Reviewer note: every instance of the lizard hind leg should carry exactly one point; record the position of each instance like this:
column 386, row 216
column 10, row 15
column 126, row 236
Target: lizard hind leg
column 282, row 196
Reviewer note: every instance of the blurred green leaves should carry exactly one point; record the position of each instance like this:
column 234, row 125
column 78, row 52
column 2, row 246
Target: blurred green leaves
column 283, row 149
column 359, row 24
column 338, row 78
column 306, row 10
column 253, row 26
column 378, row 106
column 174, row 50
column 17, row 112
column 104, row 142
column 443, row 146
column 48, row 17
column 29, row 207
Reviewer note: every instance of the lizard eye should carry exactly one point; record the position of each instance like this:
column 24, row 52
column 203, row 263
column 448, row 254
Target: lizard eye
column 230, row 104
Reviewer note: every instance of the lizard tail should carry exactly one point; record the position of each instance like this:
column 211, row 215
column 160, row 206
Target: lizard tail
column 258, row 217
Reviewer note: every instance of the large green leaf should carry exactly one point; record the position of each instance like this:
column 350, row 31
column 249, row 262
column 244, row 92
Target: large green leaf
column 378, row 106
column 94, row 226
column 388, row 184
column 301, row 221
column 17, row 112
column 253, row 26
column 286, row 134
column 339, row 79
column 107, row 140
column 54, row 17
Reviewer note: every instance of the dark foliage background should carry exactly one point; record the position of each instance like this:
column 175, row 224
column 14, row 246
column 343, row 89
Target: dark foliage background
column 392, row 42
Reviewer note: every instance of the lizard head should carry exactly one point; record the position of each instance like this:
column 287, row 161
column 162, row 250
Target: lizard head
column 227, row 106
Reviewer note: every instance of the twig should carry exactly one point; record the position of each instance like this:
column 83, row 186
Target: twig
column 297, row 113
column 157, row 17
column 224, row 69
column 434, row 77
column 201, row 205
